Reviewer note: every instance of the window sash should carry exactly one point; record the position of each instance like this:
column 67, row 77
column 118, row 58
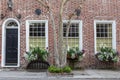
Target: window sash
column 72, row 42
column 37, row 35
column 73, row 30
column 103, row 35
column 73, row 36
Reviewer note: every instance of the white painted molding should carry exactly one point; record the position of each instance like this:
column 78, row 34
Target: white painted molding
column 27, row 31
column 113, row 22
column 4, row 42
column 80, row 31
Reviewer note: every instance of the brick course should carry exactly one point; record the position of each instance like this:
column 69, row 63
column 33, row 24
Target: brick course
column 91, row 10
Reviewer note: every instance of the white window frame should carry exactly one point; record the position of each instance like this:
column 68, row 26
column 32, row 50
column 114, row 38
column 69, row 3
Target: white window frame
column 80, row 31
column 28, row 22
column 113, row 22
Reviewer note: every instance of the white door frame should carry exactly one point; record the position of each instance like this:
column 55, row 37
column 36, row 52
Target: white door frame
column 4, row 42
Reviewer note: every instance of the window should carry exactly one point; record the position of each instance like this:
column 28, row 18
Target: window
column 75, row 30
column 104, row 34
column 12, row 24
column 37, row 34
column 103, row 30
column 37, row 29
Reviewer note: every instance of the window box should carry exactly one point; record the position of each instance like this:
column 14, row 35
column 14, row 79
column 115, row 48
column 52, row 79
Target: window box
column 75, row 54
column 107, row 55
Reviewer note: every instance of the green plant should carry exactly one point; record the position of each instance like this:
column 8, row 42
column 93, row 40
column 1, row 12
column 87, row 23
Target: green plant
column 67, row 69
column 41, row 53
column 29, row 56
column 54, row 69
column 75, row 53
column 108, row 55
column 36, row 54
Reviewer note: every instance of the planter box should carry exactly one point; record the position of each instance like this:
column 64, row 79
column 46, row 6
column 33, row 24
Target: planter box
column 109, row 61
column 37, row 65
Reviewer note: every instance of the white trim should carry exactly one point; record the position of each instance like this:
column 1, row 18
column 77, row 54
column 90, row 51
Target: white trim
column 46, row 33
column 12, row 27
column 4, row 42
column 80, row 35
column 113, row 32
column 27, row 31
column 80, row 31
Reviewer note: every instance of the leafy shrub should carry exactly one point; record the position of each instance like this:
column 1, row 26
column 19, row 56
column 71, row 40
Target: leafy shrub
column 54, row 69
column 67, row 69
column 108, row 55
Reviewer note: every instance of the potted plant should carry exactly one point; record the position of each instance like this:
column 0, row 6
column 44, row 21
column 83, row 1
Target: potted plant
column 107, row 55
column 75, row 54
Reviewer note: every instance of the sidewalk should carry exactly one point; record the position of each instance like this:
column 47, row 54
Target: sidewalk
column 78, row 75
column 97, row 74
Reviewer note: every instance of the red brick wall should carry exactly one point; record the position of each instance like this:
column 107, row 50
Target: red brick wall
column 98, row 10
column 91, row 10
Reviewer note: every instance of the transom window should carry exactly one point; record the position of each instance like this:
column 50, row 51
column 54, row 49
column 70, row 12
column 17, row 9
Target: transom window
column 74, row 38
column 12, row 24
column 105, row 36
column 37, row 35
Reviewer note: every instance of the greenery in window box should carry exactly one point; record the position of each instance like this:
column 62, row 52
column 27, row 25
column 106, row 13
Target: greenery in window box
column 75, row 53
column 36, row 54
column 107, row 55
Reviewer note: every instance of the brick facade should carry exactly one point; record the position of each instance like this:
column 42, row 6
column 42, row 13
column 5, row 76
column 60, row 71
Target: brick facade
column 91, row 10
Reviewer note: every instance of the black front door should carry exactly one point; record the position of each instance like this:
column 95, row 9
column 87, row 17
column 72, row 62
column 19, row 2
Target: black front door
column 11, row 58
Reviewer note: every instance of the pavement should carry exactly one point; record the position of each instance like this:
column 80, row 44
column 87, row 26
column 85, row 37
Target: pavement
column 77, row 75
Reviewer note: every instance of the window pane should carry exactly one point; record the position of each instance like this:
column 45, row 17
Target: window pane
column 12, row 24
column 37, row 35
column 104, row 42
column 73, row 37
column 103, row 35
column 102, row 30
column 37, row 42
column 72, row 42
column 73, row 30
column 37, row 29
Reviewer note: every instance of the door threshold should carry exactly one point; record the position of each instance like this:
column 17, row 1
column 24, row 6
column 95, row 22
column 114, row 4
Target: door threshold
column 10, row 66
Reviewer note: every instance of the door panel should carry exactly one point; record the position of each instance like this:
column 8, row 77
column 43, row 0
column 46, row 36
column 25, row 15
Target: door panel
column 11, row 47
